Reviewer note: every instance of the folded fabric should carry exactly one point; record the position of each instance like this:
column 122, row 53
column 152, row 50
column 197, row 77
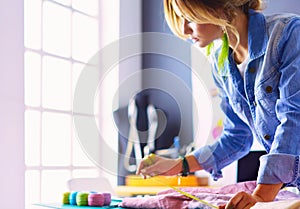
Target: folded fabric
column 215, row 196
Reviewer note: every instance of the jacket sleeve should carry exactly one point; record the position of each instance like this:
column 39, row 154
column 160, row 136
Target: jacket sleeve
column 281, row 165
column 234, row 143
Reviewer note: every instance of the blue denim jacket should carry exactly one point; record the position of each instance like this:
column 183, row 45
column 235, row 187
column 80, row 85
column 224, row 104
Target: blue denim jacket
column 265, row 105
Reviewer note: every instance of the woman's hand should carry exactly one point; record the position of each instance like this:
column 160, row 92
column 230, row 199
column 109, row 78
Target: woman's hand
column 241, row 200
column 153, row 165
column 262, row 193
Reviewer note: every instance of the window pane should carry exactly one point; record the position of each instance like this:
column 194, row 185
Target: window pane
column 65, row 2
column 76, row 73
column 107, row 94
column 56, row 83
column 32, row 79
column 54, row 184
column 56, row 29
column 32, row 23
column 85, row 173
column 87, row 6
column 79, row 156
column 32, row 138
column 32, row 187
column 56, row 139
column 85, row 37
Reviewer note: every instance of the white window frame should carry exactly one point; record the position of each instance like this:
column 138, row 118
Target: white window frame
column 106, row 15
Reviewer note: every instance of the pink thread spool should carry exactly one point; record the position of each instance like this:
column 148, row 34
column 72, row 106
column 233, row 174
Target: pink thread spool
column 96, row 199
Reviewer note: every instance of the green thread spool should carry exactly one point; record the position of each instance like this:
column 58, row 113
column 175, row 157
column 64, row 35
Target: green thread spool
column 82, row 199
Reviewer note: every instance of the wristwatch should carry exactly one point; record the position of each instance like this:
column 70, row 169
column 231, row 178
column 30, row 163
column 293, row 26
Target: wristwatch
column 185, row 167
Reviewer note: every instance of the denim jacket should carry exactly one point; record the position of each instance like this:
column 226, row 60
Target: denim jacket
column 265, row 105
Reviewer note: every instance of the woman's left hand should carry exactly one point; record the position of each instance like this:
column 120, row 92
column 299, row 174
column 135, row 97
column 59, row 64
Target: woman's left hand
column 241, row 200
column 262, row 193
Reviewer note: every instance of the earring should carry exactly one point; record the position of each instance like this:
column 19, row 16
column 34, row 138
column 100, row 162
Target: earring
column 209, row 48
column 223, row 56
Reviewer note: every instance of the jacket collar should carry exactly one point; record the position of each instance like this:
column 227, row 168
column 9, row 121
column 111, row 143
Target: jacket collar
column 257, row 35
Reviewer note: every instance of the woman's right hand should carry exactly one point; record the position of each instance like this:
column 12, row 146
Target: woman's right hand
column 153, row 165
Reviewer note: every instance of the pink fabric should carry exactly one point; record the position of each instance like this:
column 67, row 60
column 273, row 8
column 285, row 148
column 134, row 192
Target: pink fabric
column 215, row 196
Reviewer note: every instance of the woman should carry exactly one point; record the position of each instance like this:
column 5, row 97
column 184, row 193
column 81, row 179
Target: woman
column 257, row 70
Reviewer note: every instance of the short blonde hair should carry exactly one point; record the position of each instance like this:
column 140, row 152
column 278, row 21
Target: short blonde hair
column 218, row 12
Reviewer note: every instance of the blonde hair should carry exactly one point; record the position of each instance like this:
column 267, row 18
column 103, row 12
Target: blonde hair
column 217, row 12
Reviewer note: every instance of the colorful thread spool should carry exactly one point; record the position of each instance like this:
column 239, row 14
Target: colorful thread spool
column 65, row 199
column 107, row 198
column 72, row 198
column 96, row 199
column 82, row 199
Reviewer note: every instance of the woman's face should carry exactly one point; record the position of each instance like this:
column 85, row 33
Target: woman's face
column 201, row 34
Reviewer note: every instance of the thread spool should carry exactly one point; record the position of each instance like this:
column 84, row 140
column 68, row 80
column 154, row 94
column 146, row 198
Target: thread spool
column 107, row 198
column 82, row 199
column 65, row 199
column 96, row 199
column 72, row 198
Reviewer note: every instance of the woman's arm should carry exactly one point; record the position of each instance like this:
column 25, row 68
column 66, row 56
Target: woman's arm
column 262, row 193
column 266, row 192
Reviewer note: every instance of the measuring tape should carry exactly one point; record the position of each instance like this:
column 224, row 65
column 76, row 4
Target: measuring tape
column 149, row 161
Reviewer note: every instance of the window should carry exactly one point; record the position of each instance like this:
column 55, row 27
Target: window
column 60, row 38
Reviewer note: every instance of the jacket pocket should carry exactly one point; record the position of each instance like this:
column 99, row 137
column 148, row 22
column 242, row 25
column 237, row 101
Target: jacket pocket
column 266, row 94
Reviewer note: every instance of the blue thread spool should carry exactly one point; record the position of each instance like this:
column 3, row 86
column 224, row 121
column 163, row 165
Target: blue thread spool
column 72, row 198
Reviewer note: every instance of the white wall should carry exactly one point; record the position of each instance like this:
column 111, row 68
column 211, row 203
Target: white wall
column 11, row 105
column 130, row 24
